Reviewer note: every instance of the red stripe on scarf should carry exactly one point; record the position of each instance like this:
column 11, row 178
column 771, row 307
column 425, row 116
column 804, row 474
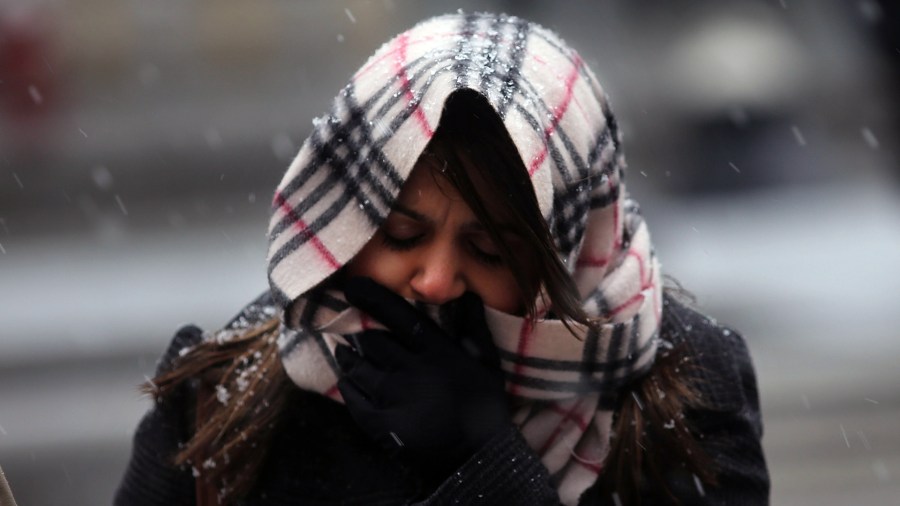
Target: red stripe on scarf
column 334, row 393
column 568, row 415
column 640, row 260
column 592, row 262
column 645, row 284
column 302, row 230
column 593, row 466
column 631, row 300
column 400, row 68
column 393, row 52
column 617, row 243
column 524, row 338
column 558, row 113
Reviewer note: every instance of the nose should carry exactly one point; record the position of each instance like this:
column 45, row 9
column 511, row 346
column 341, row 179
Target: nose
column 438, row 278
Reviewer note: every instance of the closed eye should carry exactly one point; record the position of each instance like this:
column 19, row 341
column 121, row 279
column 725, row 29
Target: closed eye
column 484, row 250
column 404, row 229
column 401, row 243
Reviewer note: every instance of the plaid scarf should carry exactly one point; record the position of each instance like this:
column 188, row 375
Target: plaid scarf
column 348, row 173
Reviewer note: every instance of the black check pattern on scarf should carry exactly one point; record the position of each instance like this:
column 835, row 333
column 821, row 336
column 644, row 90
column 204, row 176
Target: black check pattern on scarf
column 344, row 181
column 351, row 153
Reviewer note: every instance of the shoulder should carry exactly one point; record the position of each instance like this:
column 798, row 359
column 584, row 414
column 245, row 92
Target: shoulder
column 685, row 324
column 185, row 338
column 258, row 311
column 727, row 420
column 720, row 362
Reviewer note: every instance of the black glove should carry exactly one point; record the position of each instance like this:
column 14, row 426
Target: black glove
column 413, row 388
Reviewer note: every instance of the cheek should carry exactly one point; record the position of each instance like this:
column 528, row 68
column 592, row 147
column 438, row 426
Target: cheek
column 501, row 292
column 377, row 262
column 497, row 288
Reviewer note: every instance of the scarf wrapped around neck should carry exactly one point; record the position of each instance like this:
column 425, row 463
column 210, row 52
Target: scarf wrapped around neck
column 349, row 172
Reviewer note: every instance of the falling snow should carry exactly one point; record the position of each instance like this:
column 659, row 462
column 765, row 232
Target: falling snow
column 870, row 138
column 121, row 205
column 637, row 400
column 396, row 439
column 863, row 439
column 798, row 135
column 35, row 95
column 350, row 15
column 699, row 486
column 102, row 177
column 150, row 382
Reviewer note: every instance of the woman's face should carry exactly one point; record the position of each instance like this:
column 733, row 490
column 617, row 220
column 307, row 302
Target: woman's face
column 432, row 247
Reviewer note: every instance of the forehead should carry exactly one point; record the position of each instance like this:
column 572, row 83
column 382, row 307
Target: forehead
column 435, row 179
column 428, row 181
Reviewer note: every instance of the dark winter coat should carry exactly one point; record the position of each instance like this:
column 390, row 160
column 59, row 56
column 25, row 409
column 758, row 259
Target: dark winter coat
column 321, row 457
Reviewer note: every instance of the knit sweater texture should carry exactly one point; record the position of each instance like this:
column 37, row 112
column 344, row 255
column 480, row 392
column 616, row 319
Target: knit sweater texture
column 325, row 459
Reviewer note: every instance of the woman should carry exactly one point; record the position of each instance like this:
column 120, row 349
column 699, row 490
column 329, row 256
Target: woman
column 465, row 307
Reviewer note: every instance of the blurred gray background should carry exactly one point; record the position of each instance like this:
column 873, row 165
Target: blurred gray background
column 140, row 143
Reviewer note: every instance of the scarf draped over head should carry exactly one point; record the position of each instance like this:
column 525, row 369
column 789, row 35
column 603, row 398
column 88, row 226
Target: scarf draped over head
column 348, row 173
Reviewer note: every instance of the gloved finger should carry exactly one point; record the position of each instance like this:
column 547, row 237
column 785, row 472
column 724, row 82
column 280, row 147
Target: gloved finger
column 346, row 358
column 472, row 324
column 411, row 325
column 368, row 378
column 382, row 348
column 391, row 441
column 471, row 315
column 356, row 400
column 370, row 418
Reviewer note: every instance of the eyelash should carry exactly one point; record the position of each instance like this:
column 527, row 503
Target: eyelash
column 401, row 244
column 486, row 258
column 397, row 244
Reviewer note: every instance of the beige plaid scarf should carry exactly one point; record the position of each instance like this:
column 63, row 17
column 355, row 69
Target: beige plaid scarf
column 344, row 180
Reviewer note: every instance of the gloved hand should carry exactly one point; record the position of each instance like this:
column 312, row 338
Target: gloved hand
column 413, row 388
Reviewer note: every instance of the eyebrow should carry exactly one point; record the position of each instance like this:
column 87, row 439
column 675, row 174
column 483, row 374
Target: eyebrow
column 400, row 208
column 475, row 225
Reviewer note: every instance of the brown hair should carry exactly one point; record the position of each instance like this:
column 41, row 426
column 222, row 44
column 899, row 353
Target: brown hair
column 651, row 435
column 229, row 446
column 472, row 142
column 651, row 439
column 241, row 389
